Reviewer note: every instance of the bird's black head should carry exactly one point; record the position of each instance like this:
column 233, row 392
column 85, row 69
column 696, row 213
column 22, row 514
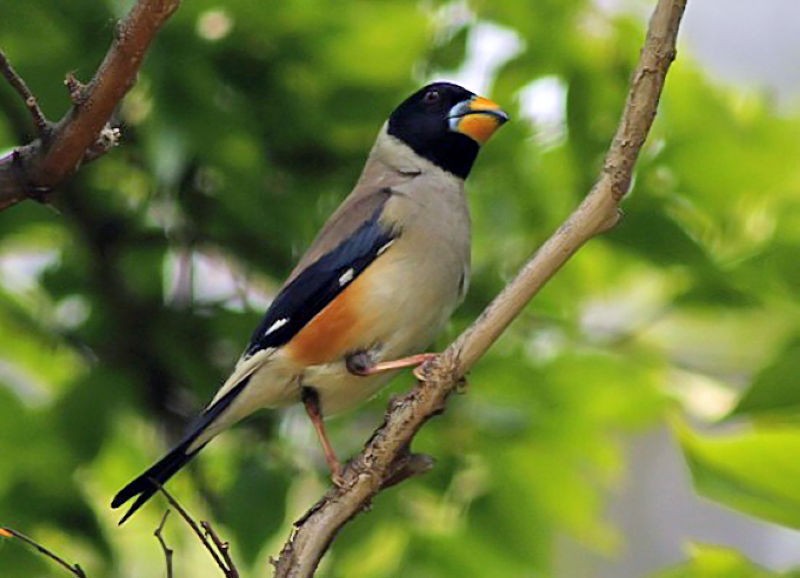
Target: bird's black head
column 446, row 124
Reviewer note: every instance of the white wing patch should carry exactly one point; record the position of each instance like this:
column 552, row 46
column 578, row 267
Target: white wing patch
column 277, row 325
column 350, row 273
column 346, row 277
column 384, row 248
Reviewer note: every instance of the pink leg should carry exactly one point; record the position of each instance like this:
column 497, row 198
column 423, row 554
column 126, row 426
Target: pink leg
column 415, row 361
column 311, row 403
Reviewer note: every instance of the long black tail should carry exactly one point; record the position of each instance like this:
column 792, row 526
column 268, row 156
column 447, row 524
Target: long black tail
column 151, row 480
column 147, row 484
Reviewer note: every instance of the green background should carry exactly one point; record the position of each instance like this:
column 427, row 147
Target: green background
column 124, row 305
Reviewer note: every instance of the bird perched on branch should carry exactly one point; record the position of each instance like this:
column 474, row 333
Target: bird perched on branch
column 376, row 286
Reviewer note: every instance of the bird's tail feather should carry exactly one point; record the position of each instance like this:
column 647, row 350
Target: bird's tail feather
column 149, row 482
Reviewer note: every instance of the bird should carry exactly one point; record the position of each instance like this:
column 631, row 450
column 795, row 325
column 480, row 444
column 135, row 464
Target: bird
column 373, row 290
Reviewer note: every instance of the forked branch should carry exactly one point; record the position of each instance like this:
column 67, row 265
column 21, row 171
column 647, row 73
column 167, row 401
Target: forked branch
column 83, row 134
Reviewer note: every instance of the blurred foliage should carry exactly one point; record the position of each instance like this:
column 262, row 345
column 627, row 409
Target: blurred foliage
column 715, row 562
column 124, row 305
column 749, row 471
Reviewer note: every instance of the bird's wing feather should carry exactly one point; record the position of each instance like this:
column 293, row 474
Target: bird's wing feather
column 346, row 246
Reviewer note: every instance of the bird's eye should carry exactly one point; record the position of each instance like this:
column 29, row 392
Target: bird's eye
column 431, row 97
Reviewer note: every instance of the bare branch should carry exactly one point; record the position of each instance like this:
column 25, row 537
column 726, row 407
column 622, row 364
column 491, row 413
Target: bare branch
column 166, row 549
column 219, row 556
column 365, row 475
column 16, row 81
column 74, row 569
column 36, row 168
column 224, row 549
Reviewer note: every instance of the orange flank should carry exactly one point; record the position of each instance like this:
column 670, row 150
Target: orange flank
column 5, row 533
column 330, row 335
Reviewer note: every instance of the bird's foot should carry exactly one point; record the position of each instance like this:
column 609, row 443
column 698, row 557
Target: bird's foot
column 419, row 370
column 337, row 475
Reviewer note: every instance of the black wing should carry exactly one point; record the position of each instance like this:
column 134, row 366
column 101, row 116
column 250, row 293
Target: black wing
column 317, row 285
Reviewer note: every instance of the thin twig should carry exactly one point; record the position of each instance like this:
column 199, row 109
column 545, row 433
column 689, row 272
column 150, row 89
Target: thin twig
column 166, row 549
column 40, row 122
column 366, row 474
column 224, row 549
column 196, row 529
column 74, row 569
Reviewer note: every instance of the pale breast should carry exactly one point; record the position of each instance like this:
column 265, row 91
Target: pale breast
column 405, row 297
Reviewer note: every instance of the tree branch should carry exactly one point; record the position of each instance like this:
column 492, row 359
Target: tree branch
column 387, row 452
column 219, row 550
column 18, row 84
column 32, row 170
column 74, row 569
column 168, row 552
column 224, row 549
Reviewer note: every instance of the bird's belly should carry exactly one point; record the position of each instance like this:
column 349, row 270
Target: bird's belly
column 340, row 390
column 390, row 312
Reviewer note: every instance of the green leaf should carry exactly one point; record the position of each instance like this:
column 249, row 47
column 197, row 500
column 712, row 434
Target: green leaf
column 647, row 229
column 776, row 389
column 710, row 561
column 753, row 471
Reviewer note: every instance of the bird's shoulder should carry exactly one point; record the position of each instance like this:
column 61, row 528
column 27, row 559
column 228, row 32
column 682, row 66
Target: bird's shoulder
column 351, row 240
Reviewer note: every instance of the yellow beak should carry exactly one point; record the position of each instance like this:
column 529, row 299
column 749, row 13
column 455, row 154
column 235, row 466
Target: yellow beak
column 478, row 118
